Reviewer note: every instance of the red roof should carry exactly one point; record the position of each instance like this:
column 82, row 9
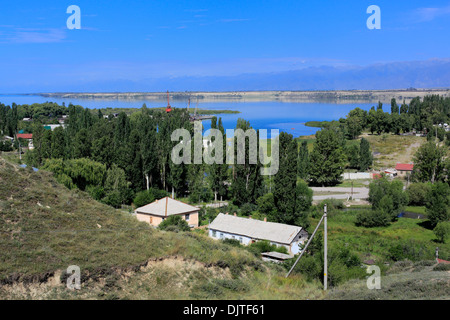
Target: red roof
column 404, row 167
column 25, row 135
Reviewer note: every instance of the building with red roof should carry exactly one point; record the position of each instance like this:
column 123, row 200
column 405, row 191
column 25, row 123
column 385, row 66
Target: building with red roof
column 29, row 137
column 404, row 168
column 25, row 135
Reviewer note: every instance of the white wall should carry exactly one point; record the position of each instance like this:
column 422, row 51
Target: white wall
column 245, row 240
column 357, row 175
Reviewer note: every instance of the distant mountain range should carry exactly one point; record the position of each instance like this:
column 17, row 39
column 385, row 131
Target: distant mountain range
column 433, row 73
column 395, row 75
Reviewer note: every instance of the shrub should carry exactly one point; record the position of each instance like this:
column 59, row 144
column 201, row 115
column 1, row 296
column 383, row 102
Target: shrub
column 96, row 192
column 442, row 231
column 442, row 267
column 332, row 204
column 232, row 242
column 174, row 223
column 247, row 209
column 261, row 246
column 417, row 193
column 6, row 146
column 409, row 250
column 388, row 196
column 372, row 218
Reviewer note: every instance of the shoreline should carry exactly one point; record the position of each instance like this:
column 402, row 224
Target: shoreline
column 336, row 96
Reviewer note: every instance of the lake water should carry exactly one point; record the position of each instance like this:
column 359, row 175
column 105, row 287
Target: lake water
column 284, row 116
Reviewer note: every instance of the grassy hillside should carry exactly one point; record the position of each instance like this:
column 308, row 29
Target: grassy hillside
column 44, row 228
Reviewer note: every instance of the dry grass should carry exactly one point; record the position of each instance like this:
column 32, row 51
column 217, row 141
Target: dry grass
column 393, row 149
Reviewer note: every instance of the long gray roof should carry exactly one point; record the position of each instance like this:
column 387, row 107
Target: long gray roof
column 256, row 229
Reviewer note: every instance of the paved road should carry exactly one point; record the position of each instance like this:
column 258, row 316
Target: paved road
column 343, row 193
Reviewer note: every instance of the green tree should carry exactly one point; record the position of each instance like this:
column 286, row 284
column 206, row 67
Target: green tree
column 394, row 107
column 352, row 152
column 286, row 178
column 58, row 145
column 82, row 144
column 303, row 161
column 437, row 207
column 442, row 231
column 365, row 155
column 327, row 158
column 388, row 197
column 116, row 186
column 418, row 193
column 266, row 205
column 303, row 202
column 247, row 181
column 429, row 163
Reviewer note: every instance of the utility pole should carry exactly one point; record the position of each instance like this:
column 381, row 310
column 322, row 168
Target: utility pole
column 325, row 249
column 324, row 218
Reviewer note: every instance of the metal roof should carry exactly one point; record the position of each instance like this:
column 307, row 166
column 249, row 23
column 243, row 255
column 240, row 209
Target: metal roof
column 166, row 207
column 276, row 255
column 255, row 229
column 404, row 167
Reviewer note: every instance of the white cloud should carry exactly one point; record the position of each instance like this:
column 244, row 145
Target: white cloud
column 429, row 14
column 33, row 35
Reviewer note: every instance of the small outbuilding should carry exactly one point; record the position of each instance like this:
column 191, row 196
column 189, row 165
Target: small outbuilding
column 404, row 168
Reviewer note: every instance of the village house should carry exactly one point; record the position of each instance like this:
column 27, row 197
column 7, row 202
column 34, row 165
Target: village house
column 248, row 231
column 404, row 168
column 28, row 137
column 156, row 212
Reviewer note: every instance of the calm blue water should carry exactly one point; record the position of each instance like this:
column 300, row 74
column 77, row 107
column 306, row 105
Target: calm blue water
column 285, row 116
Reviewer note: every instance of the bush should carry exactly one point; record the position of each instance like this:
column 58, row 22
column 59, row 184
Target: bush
column 247, row 209
column 6, row 146
column 417, row 193
column 259, row 247
column 332, row 204
column 372, row 218
column 232, row 242
column 442, row 267
column 96, row 192
column 388, row 196
column 175, row 224
column 409, row 250
column 442, row 231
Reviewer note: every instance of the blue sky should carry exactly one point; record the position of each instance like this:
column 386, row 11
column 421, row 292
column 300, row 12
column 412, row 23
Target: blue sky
column 141, row 40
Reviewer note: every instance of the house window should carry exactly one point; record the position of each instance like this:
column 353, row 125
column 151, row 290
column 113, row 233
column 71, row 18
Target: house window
column 186, row 217
column 240, row 239
column 214, row 233
column 221, row 236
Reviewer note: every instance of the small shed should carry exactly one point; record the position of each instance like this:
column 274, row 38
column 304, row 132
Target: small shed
column 404, row 168
column 276, row 257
